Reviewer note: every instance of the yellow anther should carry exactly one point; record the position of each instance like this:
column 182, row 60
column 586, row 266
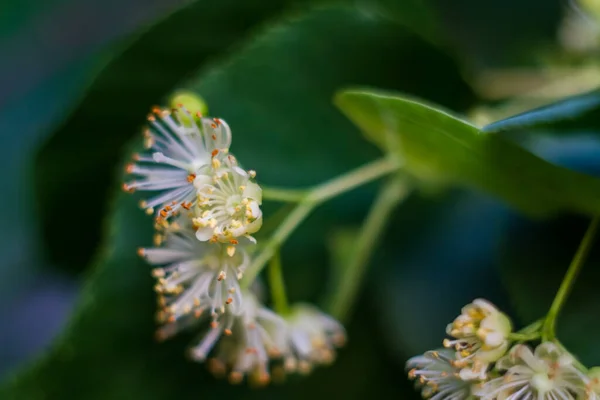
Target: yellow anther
column 230, row 251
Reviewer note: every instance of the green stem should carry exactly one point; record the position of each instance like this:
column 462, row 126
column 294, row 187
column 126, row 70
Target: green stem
column 360, row 176
column 358, row 258
column 314, row 197
column 283, row 195
column 277, row 285
column 532, row 328
column 524, row 337
column 549, row 328
column 279, row 237
column 530, row 332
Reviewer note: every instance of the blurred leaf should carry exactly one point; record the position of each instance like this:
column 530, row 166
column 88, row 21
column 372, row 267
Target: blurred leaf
column 419, row 15
column 580, row 113
column 77, row 162
column 275, row 94
column 440, row 148
column 54, row 66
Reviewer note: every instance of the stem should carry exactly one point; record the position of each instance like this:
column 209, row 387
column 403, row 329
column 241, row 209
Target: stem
column 524, row 337
column 530, row 332
column 350, row 278
column 284, row 195
column 532, row 328
column 549, row 328
column 279, row 237
column 353, row 179
column 313, row 198
column 277, row 285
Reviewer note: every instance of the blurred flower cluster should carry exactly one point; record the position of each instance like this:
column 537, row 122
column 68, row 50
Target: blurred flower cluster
column 206, row 209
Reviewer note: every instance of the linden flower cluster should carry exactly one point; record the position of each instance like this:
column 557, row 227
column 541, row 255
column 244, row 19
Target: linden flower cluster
column 206, row 208
column 479, row 363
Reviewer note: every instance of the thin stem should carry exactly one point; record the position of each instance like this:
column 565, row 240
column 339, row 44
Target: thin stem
column 279, row 237
column 316, row 196
column 358, row 258
column 549, row 328
column 365, row 174
column 277, row 285
column 524, row 337
column 284, row 195
column 532, row 328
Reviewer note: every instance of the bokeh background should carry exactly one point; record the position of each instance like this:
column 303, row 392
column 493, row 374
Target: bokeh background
column 78, row 77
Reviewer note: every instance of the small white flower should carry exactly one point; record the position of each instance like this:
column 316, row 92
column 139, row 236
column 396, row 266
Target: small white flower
column 256, row 336
column 194, row 276
column 313, row 337
column 547, row 374
column 228, row 202
column 438, row 377
column 178, row 154
column 481, row 337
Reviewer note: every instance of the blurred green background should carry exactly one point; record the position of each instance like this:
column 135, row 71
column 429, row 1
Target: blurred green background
column 77, row 79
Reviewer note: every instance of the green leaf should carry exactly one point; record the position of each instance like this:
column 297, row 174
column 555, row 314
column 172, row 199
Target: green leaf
column 421, row 16
column 440, row 148
column 579, row 113
column 275, row 94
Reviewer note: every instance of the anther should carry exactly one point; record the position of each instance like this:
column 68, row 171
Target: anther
column 230, row 251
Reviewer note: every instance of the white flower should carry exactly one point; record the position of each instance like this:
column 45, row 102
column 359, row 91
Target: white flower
column 252, row 339
column 481, row 337
column 179, row 154
column 547, row 374
column 438, row 377
column 194, row 276
column 228, row 202
column 312, row 338
column 592, row 389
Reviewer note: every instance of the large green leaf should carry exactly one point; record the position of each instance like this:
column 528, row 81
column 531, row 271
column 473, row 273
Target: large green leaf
column 275, row 93
column 440, row 148
column 580, row 113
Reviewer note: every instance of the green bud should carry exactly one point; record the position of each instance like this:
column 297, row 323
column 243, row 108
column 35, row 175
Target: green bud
column 193, row 103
